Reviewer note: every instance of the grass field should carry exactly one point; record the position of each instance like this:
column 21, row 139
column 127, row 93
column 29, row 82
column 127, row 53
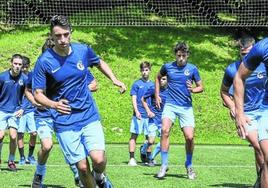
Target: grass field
column 216, row 166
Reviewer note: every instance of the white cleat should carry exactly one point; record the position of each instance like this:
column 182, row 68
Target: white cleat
column 132, row 162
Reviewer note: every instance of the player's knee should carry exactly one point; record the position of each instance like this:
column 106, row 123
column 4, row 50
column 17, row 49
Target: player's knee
column 13, row 137
column 165, row 132
column 46, row 147
column 82, row 167
column 189, row 138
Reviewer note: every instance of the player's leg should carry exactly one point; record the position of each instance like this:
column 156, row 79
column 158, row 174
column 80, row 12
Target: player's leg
column 13, row 124
column 93, row 138
column 152, row 131
column 31, row 126
column 44, row 130
column 187, row 125
column 20, row 139
column 263, row 141
column 136, row 129
column 168, row 117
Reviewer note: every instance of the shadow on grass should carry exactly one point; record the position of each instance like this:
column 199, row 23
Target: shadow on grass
column 45, row 186
column 236, row 185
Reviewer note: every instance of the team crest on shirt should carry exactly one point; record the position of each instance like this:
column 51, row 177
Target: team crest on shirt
column 20, row 82
column 187, row 72
column 80, row 65
column 260, row 75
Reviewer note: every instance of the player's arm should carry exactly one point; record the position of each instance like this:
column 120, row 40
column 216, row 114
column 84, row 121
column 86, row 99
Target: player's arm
column 30, row 97
column 61, row 105
column 146, row 107
column 107, row 71
column 227, row 99
column 93, row 86
column 239, row 90
column 135, row 106
column 157, row 90
column 197, row 89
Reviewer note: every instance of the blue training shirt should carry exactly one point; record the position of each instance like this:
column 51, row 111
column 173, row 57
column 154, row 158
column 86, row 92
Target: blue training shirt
column 257, row 55
column 158, row 112
column 66, row 78
column 139, row 87
column 177, row 76
column 254, row 85
column 11, row 91
column 27, row 106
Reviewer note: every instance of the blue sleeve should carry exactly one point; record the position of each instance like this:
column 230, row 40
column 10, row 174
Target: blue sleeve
column 163, row 70
column 196, row 76
column 253, row 59
column 29, row 80
column 90, row 77
column 39, row 76
column 228, row 78
column 93, row 59
column 134, row 89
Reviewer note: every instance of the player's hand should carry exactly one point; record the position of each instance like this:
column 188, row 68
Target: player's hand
column 150, row 114
column 19, row 113
column 232, row 114
column 63, row 106
column 138, row 115
column 122, row 86
column 189, row 85
column 241, row 122
column 158, row 102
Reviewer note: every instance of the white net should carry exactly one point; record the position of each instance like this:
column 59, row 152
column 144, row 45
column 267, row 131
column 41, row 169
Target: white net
column 138, row 12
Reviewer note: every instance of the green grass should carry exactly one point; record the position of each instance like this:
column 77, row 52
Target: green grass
column 216, row 166
column 124, row 48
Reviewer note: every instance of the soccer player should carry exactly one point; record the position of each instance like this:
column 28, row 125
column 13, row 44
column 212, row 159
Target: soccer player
column 139, row 122
column 155, row 122
column 254, row 92
column 27, row 123
column 12, row 84
column 181, row 75
column 45, row 128
column 257, row 55
column 62, row 73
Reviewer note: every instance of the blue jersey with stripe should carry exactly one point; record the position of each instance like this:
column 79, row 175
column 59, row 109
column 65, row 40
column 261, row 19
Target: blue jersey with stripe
column 254, row 85
column 257, row 55
column 66, row 78
column 157, row 112
column 139, row 87
column 11, row 91
column 177, row 77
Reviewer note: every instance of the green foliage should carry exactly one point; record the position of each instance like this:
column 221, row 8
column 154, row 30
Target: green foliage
column 124, row 49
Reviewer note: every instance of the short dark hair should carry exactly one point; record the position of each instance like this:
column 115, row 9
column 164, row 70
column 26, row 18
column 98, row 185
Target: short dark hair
column 246, row 41
column 59, row 20
column 49, row 43
column 16, row 56
column 182, row 47
column 25, row 60
column 145, row 64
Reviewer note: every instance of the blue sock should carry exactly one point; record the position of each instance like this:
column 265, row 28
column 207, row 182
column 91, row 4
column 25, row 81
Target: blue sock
column 188, row 162
column 74, row 170
column 144, row 148
column 156, row 151
column 41, row 170
column 164, row 158
column 11, row 157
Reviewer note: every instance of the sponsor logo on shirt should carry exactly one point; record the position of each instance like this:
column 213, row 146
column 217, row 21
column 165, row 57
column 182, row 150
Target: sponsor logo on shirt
column 80, row 65
column 187, row 72
column 53, row 71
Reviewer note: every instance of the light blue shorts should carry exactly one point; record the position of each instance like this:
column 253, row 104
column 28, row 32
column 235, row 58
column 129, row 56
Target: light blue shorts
column 8, row 120
column 185, row 114
column 139, row 126
column 44, row 127
column 76, row 144
column 254, row 119
column 27, row 123
column 154, row 129
column 263, row 123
